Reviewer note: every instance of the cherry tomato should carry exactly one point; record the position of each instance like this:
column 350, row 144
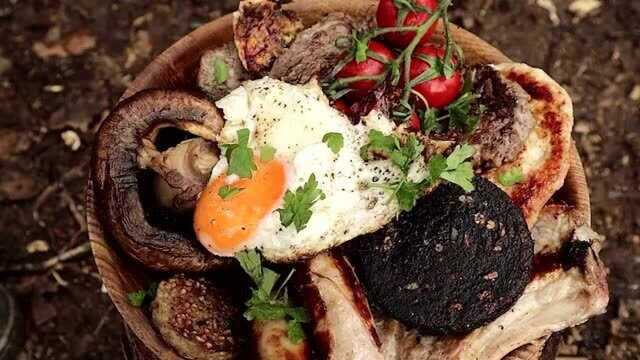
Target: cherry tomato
column 369, row 67
column 388, row 16
column 415, row 123
column 440, row 91
column 342, row 107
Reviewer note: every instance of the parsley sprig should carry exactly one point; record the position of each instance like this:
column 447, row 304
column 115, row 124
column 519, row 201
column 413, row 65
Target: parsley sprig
column 220, row 70
column 456, row 168
column 267, row 302
column 240, row 156
column 227, row 191
column 511, row 177
column 297, row 205
column 141, row 297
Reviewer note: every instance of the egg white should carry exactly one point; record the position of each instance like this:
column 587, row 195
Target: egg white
column 294, row 119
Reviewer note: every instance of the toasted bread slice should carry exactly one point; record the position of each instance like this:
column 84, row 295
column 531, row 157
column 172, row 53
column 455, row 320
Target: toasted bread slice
column 546, row 157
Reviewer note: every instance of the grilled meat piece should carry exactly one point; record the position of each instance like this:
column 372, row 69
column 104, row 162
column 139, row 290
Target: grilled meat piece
column 507, row 119
column 207, row 81
column 197, row 318
column 262, row 31
column 315, row 51
column 560, row 295
column 452, row 264
column 343, row 324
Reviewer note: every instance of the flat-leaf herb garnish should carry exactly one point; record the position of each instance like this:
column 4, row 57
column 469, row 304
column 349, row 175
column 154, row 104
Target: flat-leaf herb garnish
column 456, row 168
column 240, row 156
column 220, row 70
column 335, row 141
column 297, row 205
column 141, row 297
column 268, row 303
column 228, row 191
column 267, row 153
column 511, row 177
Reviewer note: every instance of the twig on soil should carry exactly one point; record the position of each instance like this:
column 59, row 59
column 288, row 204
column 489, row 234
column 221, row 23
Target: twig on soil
column 102, row 322
column 73, row 207
column 58, row 278
column 50, row 263
column 73, row 174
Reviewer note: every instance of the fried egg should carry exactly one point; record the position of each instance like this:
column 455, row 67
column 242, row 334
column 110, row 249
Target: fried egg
column 293, row 120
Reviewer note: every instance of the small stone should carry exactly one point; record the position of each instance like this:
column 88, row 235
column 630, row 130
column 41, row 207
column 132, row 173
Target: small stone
column 583, row 8
column 5, row 65
column 37, row 246
column 491, row 276
column 412, row 286
column 635, row 93
column 54, row 88
column 71, row 139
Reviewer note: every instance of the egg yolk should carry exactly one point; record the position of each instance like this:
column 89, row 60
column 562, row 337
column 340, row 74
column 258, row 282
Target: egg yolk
column 223, row 226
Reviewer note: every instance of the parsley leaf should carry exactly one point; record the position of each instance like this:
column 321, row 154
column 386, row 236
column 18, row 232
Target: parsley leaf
column 251, row 263
column 460, row 114
column 407, row 194
column 459, row 155
column 511, row 177
column 455, row 168
column 295, row 331
column 437, row 165
column 138, row 298
column 297, row 205
column 401, row 155
column 461, row 176
column 267, row 153
column 220, row 71
column 430, row 121
column 228, row 191
column 265, row 304
column 240, row 156
column 335, row 141
column 379, row 143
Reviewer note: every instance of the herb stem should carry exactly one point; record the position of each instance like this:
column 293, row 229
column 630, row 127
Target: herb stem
column 408, row 52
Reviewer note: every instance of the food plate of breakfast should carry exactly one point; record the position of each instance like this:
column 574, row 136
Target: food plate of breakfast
column 343, row 180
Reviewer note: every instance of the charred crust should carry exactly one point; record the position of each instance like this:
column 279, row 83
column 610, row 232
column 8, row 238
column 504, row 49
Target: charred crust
column 454, row 263
column 572, row 254
column 535, row 89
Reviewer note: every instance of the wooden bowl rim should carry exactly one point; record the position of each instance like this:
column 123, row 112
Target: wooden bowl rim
column 170, row 69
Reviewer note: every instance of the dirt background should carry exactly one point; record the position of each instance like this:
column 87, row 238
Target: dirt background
column 64, row 63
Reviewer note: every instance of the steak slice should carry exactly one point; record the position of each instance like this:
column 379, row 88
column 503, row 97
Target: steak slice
column 506, row 121
column 315, row 51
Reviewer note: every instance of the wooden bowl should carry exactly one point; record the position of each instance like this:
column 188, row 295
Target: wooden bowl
column 176, row 68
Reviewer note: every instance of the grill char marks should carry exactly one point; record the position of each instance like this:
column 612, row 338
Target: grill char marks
column 454, row 263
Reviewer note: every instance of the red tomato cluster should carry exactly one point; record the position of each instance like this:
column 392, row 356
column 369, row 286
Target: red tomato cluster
column 438, row 92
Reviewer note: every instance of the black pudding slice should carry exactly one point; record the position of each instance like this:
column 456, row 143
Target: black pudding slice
column 455, row 262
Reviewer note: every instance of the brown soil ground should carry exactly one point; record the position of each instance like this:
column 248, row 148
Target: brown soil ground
column 64, row 63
